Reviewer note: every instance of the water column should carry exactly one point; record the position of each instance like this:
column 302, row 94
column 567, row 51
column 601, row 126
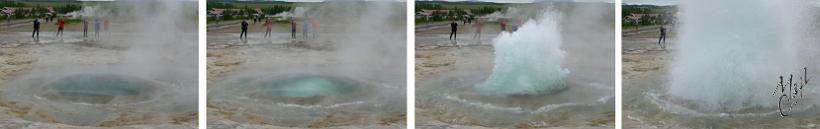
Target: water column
column 528, row 61
column 731, row 52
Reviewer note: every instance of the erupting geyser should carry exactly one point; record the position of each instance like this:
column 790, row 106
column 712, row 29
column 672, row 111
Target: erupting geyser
column 524, row 79
column 731, row 52
column 528, row 61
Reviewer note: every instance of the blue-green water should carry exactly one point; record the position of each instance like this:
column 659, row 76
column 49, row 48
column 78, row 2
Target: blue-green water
column 100, row 85
column 303, row 86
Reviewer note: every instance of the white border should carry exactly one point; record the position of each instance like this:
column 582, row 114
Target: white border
column 618, row 59
column 202, row 64
column 411, row 65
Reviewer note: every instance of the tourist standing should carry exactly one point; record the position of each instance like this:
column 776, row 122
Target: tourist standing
column 60, row 26
column 453, row 29
column 85, row 28
column 477, row 34
column 244, row 31
column 315, row 25
column 106, row 23
column 97, row 28
column 36, row 29
column 662, row 38
column 453, row 32
column 268, row 25
column 293, row 28
column 305, row 28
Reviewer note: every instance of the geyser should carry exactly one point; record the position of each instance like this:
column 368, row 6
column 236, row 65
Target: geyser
column 99, row 89
column 723, row 67
column 528, row 61
column 524, row 79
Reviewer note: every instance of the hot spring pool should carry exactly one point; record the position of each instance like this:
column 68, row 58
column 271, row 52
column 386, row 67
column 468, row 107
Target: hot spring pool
column 304, row 100
column 308, row 86
column 96, row 99
column 99, row 89
column 307, row 90
column 451, row 99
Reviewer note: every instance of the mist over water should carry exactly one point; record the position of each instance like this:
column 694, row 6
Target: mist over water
column 364, row 39
column 528, row 61
column 731, row 52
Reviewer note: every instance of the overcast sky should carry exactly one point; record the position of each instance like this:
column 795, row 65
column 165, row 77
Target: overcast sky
column 530, row 1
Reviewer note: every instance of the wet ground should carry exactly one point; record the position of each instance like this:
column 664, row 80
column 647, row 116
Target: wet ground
column 439, row 63
column 645, row 66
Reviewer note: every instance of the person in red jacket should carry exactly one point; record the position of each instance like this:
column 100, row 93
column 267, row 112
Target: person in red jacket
column 268, row 24
column 60, row 26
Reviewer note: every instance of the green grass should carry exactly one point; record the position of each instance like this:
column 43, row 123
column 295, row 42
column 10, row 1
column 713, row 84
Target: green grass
column 259, row 5
column 471, row 6
column 73, row 21
column 463, row 5
column 58, row 3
